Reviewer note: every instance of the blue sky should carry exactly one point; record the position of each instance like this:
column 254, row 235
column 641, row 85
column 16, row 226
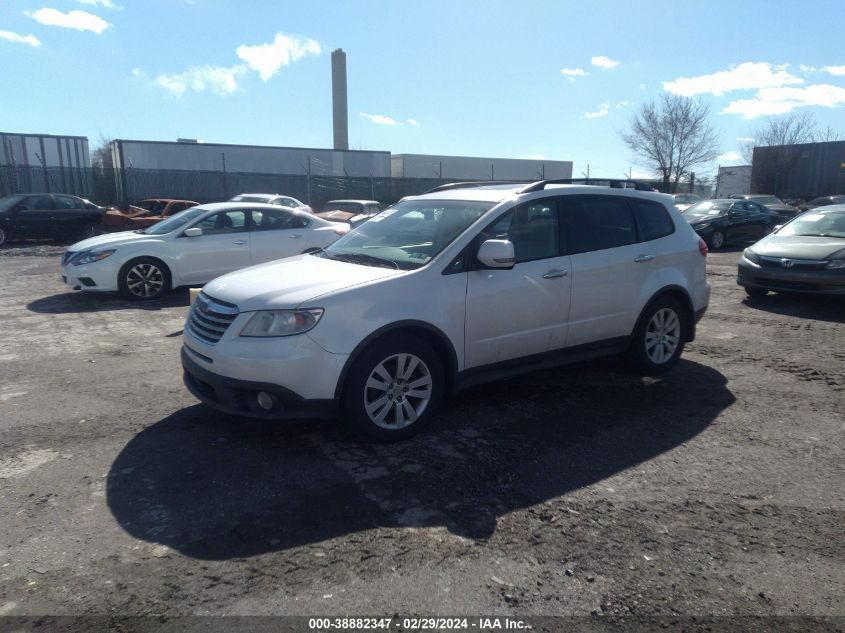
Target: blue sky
column 554, row 79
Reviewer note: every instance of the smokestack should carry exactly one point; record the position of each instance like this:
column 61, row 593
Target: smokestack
column 339, row 108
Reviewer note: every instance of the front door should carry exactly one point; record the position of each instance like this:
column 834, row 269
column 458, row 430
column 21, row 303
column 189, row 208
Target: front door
column 222, row 247
column 33, row 217
column 524, row 310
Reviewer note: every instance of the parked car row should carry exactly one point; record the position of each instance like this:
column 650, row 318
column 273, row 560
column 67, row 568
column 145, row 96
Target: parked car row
column 46, row 215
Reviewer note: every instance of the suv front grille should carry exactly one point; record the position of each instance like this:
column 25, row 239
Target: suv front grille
column 210, row 318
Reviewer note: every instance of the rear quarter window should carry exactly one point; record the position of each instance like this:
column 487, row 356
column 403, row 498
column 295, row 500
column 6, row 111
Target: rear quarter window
column 653, row 220
column 599, row 222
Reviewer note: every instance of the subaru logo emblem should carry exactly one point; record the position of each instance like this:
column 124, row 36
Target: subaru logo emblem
column 787, row 263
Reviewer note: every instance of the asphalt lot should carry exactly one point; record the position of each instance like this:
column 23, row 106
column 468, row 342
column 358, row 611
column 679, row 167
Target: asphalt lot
column 717, row 490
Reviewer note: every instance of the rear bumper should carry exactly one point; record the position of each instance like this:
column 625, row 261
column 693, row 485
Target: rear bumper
column 822, row 282
column 240, row 397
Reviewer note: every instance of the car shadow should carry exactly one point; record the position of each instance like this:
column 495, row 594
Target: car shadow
column 69, row 302
column 215, row 487
column 804, row 306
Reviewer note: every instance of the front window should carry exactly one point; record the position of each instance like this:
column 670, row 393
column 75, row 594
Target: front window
column 707, row 209
column 174, row 222
column 407, row 235
column 817, row 224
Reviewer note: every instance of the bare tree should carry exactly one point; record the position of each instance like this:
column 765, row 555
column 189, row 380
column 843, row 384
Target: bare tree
column 793, row 129
column 101, row 156
column 672, row 136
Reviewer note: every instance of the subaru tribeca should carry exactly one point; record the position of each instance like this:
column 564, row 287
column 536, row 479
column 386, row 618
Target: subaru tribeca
column 444, row 290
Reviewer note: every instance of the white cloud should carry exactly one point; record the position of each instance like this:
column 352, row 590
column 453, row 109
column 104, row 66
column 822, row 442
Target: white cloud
column 21, row 39
column 728, row 156
column 643, row 86
column 623, row 104
column 218, row 79
column 267, row 59
column 79, row 20
column 413, row 122
column 604, row 62
column 835, row 70
column 773, row 101
column 807, row 69
column 604, row 108
column 106, row 4
column 746, row 76
column 572, row 73
column 139, row 72
column 745, row 139
column 380, row 119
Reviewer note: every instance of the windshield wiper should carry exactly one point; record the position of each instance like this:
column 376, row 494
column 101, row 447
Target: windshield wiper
column 371, row 260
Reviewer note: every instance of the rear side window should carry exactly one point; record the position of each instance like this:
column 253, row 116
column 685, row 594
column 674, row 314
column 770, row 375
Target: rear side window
column 66, row 202
column 653, row 219
column 599, row 222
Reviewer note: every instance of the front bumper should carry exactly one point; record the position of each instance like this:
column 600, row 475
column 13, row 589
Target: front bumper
column 100, row 276
column 826, row 282
column 240, row 397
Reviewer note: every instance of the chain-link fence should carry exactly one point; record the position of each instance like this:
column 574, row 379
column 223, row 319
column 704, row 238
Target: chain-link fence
column 115, row 187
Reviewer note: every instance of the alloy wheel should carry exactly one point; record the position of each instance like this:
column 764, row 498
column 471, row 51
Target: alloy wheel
column 397, row 391
column 662, row 336
column 145, row 280
column 717, row 240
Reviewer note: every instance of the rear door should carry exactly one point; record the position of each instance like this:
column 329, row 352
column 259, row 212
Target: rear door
column 608, row 267
column 222, row 247
column 524, row 310
column 278, row 233
column 70, row 216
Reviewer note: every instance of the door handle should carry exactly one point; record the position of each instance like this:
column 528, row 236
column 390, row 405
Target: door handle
column 643, row 258
column 239, row 242
column 293, row 237
column 554, row 274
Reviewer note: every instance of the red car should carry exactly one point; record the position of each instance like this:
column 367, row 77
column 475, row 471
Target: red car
column 142, row 214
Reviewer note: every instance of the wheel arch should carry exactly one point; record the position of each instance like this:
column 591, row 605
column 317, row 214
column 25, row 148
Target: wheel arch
column 134, row 258
column 426, row 332
column 682, row 296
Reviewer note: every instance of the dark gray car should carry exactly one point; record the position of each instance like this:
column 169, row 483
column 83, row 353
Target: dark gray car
column 45, row 215
column 805, row 255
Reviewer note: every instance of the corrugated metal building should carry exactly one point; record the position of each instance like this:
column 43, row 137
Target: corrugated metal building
column 476, row 168
column 43, row 163
column 249, row 159
column 804, row 171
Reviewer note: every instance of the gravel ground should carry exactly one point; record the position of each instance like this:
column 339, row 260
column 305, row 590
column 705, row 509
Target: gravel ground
column 586, row 491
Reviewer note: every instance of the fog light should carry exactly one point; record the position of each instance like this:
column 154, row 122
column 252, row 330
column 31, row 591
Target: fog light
column 265, row 400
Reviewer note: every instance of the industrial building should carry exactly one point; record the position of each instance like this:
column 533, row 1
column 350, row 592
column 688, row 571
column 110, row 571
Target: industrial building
column 807, row 170
column 43, row 163
column 476, row 168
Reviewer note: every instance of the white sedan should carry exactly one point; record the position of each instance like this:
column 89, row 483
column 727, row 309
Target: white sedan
column 193, row 247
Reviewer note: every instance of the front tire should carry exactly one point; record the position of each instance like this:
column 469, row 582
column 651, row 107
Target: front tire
column 717, row 240
column 659, row 338
column 143, row 279
column 393, row 390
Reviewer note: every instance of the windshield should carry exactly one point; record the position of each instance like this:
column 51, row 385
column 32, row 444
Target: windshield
column 409, row 234
column 817, row 224
column 708, row 208
column 175, row 221
column 245, row 198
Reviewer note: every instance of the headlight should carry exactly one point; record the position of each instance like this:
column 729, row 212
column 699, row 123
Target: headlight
column 751, row 256
column 281, row 322
column 89, row 257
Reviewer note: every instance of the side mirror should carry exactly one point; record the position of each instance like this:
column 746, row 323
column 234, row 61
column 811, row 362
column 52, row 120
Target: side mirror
column 194, row 231
column 496, row 254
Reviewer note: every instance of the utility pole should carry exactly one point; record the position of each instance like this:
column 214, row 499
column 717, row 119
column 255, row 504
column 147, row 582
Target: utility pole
column 586, row 175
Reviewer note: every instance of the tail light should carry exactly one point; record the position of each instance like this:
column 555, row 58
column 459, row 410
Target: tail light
column 702, row 247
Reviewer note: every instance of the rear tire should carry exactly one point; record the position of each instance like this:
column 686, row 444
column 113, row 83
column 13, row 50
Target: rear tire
column 393, row 389
column 143, row 279
column 659, row 338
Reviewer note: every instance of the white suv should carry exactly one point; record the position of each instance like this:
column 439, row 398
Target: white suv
column 444, row 290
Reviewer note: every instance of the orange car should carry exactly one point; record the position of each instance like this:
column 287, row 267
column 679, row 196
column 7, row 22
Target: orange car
column 142, row 214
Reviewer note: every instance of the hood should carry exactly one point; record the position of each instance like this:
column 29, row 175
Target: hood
column 701, row 219
column 798, row 247
column 111, row 240
column 290, row 282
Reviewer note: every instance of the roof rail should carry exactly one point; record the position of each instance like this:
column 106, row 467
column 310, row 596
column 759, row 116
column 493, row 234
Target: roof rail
column 476, row 183
column 613, row 183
